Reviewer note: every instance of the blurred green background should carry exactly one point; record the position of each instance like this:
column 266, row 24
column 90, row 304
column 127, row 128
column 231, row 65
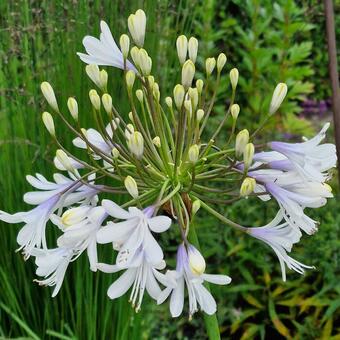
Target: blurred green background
column 268, row 42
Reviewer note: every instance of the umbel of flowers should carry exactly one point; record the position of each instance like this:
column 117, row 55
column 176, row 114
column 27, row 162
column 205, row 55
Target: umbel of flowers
column 162, row 160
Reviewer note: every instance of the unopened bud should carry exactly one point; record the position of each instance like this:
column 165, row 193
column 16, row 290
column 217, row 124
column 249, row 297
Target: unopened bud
column 168, row 102
column 73, row 108
column 94, row 74
column 140, row 95
column 235, row 110
column 188, row 73
column 242, row 139
column 182, row 48
column 193, row 48
column 210, row 64
column 107, row 102
column 188, row 106
column 64, row 160
column 95, row 99
column 278, row 97
column 131, row 186
column 155, row 91
column 179, row 93
column 193, row 153
column 195, row 207
column 151, row 81
column 193, row 94
column 247, row 186
column 48, row 122
column 135, row 54
column 136, row 144
column 130, row 79
column 103, row 79
column 157, row 142
column 137, row 25
column 199, row 86
column 115, row 153
column 131, row 116
column 49, row 95
column 144, row 62
column 234, row 78
column 221, row 60
column 200, row 114
column 248, row 155
column 124, row 42
column 129, row 131
column 196, row 260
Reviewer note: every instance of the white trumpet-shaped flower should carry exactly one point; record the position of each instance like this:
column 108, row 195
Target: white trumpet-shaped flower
column 280, row 236
column 104, row 51
column 199, row 296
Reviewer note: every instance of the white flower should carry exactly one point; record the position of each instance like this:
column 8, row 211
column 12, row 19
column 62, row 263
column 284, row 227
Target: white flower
column 52, row 265
column 104, row 51
column 198, row 294
column 309, row 158
column 80, row 226
column 129, row 235
column 97, row 140
column 292, row 194
column 62, row 193
column 280, row 237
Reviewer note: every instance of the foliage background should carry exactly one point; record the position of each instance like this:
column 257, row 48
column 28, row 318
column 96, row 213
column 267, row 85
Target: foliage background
column 269, row 42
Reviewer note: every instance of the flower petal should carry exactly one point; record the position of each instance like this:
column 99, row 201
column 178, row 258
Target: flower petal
column 158, row 224
column 122, row 284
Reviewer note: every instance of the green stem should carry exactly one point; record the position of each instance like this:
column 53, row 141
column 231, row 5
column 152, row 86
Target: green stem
column 211, row 322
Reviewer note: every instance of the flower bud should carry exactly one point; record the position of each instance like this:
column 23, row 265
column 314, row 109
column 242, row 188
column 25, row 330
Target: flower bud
column 93, row 73
column 115, row 153
column 193, row 153
column 235, row 110
column 179, row 93
column 200, row 115
column 131, row 186
column 129, row 131
column 210, row 64
column 137, row 24
column 157, row 142
column 130, row 79
column 193, row 47
column 124, row 42
column 196, row 260
column 107, row 102
column 64, row 160
column 95, row 99
column 248, row 155
column 151, row 81
column 195, row 207
column 199, row 86
column 182, row 48
column 49, row 95
column 242, row 139
column 140, row 95
column 73, row 108
column 234, row 78
column 144, row 62
column 188, row 106
column 136, row 144
column 155, row 91
column 130, row 116
column 103, row 79
column 193, row 94
column 221, row 60
column 188, row 73
column 49, row 123
column 135, row 54
column 168, row 102
column 74, row 215
column 278, row 97
column 247, row 186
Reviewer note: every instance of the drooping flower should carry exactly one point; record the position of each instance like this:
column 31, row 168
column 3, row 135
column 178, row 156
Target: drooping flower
column 53, row 196
column 280, row 236
column 309, row 158
column 104, row 51
column 198, row 294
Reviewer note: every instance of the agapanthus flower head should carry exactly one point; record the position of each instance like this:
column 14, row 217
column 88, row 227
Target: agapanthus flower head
column 158, row 160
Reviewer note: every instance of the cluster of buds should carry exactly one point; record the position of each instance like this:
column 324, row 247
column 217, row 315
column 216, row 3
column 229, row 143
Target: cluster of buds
column 161, row 159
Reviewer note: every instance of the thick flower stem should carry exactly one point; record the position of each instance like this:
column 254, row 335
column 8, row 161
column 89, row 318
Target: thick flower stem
column 211, row 322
